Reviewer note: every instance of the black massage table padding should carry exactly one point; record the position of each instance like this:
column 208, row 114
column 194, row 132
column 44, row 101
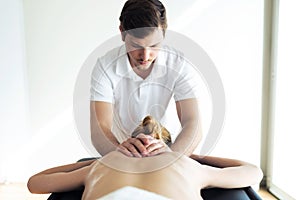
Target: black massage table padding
column 72, row 195
column 208, row 194
column 246, row 193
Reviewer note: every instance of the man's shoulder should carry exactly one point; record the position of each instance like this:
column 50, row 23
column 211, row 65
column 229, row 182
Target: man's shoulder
column 172, row 55
column 172, row 58
column 171, row 51
column 111, row 58
column 115, row 52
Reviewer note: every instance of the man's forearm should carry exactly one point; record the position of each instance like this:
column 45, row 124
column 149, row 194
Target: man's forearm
column 191, row 133
column 188, row 139
column 103, row 142
column 103, row 145
column 101, row 122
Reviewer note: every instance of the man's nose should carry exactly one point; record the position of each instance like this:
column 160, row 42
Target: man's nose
column 145, row 54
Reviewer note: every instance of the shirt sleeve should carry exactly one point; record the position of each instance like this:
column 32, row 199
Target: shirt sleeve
column 101, row 86
column 187, row 84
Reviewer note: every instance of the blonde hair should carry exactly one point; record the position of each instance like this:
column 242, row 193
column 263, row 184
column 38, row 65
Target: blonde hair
column 150, row 126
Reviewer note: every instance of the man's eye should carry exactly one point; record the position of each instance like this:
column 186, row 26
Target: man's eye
column 155, row 46
column 137, row 47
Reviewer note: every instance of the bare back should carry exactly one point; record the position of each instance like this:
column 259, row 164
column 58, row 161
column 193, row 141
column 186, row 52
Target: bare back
column 169, row 174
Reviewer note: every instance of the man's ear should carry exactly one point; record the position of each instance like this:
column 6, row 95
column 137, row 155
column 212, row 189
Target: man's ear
column 122, row 33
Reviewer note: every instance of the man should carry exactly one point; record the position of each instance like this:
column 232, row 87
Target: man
column 138, row 79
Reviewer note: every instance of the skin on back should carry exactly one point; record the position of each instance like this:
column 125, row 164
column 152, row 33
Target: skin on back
column 169, row 174
column 158, row 174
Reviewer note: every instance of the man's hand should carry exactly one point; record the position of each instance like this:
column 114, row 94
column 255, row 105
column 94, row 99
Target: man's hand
column 153, row 146
column 142, row 146
column 132, row 147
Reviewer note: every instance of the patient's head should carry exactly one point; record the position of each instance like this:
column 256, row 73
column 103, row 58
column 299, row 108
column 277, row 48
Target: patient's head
column 150, row 126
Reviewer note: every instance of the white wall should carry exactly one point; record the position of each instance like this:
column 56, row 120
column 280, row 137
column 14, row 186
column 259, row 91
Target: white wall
column 13, row 84
column 231, row 32
column 60, row 35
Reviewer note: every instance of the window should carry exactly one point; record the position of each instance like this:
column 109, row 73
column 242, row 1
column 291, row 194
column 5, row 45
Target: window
column 285, row 172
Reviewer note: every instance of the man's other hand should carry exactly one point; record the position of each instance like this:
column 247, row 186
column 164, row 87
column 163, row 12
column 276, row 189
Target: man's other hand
column 142, row 146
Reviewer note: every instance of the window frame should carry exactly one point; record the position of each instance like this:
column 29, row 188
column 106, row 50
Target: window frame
column 270, row 48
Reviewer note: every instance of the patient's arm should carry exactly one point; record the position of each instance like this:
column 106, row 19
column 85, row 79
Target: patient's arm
column 59, row 179
column 217, row 161
column 229, row 173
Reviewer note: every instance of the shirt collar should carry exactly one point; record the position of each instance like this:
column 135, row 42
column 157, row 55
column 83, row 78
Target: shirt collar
column 160, row 65
column 123, row 66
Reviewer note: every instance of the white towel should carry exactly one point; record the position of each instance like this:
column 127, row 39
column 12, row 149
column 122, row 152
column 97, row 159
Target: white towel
column 132, row 193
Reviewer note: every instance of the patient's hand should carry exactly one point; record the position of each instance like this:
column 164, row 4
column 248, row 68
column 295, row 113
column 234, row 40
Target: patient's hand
column 142, row 146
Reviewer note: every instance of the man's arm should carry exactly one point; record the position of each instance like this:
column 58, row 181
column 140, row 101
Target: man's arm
column 59, row 179
column 228, row 173
column 101, row 116
column 191, row 133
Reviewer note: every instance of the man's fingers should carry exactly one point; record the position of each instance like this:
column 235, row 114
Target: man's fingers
column 131, row 148
column 145, row 139
column 135, row 147
column 139, row 145
column 143, row 145
column 155, row 152
column 155, row 146
column 123, row 150
column 159, row 151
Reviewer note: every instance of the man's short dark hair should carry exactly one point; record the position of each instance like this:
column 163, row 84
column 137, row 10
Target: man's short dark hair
column 142, row 14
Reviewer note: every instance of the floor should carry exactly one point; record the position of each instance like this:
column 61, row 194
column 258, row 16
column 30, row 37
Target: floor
column 265, row 195
column 18, row 191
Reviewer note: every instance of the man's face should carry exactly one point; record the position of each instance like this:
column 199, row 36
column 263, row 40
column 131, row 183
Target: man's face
column 143, row 51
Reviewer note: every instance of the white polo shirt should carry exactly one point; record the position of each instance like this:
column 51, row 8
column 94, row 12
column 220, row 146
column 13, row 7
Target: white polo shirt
column 113, row 80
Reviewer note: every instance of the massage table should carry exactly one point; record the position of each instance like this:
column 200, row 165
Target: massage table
column 246, row 193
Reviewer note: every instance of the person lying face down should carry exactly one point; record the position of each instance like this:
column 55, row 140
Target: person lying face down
column 169, row 174
column 152, row 135
column 150, row 126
